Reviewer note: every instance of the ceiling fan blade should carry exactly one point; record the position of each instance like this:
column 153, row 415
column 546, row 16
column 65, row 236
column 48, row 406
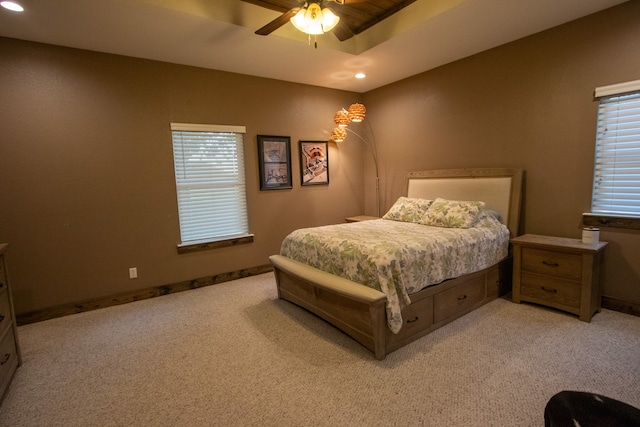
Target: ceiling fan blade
column 278, row 22
column 342, row 31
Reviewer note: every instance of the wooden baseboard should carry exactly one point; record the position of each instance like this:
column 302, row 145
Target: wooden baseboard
column 96, row 303
column 621, row 306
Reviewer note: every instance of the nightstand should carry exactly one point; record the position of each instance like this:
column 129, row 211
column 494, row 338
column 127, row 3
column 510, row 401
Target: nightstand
column 361, row 218
column 558, row 272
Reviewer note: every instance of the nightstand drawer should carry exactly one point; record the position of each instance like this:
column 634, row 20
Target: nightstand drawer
column 552, row 263
column 554, row 292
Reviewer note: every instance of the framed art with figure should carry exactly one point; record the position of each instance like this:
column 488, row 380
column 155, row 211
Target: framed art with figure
column 314, row 162
column 274, row 158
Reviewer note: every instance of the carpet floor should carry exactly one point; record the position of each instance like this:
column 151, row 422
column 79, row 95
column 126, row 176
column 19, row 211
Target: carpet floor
column 234, row 355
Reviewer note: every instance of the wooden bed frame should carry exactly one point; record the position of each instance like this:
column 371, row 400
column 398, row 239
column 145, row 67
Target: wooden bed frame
column 359, row 310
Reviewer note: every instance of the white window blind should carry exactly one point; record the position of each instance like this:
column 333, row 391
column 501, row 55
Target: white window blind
column 210, row 182
column 616, row 189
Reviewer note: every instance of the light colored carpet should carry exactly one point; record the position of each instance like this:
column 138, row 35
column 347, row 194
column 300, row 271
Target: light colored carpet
column 234, row 355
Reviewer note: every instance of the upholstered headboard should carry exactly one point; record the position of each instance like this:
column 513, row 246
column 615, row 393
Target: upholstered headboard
column 499, row 188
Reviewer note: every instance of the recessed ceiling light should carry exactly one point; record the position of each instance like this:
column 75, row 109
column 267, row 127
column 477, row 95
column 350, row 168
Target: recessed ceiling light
column 11, row 5
column 360, row 75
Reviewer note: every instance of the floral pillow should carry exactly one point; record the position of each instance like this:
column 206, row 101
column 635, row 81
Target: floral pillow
column 407, row 209
column 453, row 213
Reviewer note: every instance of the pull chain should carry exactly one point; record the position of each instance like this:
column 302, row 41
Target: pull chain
column 315, row 41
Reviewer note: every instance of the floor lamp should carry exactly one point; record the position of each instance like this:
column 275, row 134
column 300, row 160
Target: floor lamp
column 356, row 114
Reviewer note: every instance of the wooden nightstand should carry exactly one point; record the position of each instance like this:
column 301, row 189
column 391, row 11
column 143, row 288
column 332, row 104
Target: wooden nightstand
column 558, row 272
column 360, row 218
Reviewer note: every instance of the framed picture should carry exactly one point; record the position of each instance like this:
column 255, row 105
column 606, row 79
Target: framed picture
column 274, row 158
column 314, row 162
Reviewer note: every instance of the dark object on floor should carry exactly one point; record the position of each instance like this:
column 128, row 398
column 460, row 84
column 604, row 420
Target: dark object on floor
column 580, row 409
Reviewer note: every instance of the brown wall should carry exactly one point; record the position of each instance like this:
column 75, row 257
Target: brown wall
column 526, row 104
column 86, row 169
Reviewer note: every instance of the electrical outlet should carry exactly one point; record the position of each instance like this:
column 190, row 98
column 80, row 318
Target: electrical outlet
column 133, row 273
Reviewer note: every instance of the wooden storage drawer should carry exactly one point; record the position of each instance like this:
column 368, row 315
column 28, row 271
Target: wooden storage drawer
column 417, row 321
column 417, row 317
column 556, row 264
column 8, row 359
column 456, row 300
column 495, row 285
column 550, row 291
column 5, row 312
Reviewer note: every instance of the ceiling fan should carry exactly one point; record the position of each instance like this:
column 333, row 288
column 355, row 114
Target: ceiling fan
column 308, row 18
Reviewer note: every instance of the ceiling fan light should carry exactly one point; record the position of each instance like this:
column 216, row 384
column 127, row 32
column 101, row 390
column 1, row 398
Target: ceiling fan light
column 329, row 20
column 298, row 20
column 308, row 20
column 314, row 20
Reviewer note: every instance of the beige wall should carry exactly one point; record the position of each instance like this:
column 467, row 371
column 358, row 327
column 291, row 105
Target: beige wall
column 527, row 104
column 86, row 171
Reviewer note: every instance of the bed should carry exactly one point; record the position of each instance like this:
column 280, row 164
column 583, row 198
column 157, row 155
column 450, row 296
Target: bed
column 387, row 304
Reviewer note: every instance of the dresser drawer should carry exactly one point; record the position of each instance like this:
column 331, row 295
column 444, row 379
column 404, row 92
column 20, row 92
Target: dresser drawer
column 552, row 263
column 549, row 291
column 3, row 277
column 456, row 300
column 8, row 359
column 5, row 312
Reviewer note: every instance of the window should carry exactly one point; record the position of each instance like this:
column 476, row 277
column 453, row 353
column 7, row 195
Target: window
column 210, row 184
column 616, row 186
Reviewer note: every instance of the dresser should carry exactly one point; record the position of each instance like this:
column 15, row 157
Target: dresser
column 558, row 272
column 10, row 357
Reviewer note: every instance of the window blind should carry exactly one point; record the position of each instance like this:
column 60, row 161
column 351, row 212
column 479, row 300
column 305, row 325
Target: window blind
column 616, row 187
column 210, row 182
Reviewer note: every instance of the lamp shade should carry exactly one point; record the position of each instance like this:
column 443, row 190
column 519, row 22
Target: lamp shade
column 314, row 20
column 341, row 118
column 329, row 19
column 338, row 134
column 357, row 112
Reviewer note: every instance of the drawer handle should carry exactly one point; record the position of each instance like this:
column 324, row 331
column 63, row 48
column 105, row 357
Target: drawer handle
column 550, row 290
column 462, row 298
column 1, row 317
column 5, row 359
column 550, row 264
column 414, row 320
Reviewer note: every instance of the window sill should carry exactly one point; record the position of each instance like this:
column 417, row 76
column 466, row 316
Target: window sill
column 600, row 220
column 204, row 246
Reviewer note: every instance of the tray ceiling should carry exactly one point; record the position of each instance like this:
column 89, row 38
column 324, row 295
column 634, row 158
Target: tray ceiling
column 388, row 45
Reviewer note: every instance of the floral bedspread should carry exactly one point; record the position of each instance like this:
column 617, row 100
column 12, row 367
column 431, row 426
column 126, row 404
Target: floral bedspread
column 399, row 258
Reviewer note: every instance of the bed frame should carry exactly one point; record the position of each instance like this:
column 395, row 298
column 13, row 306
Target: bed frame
column 359, row 310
